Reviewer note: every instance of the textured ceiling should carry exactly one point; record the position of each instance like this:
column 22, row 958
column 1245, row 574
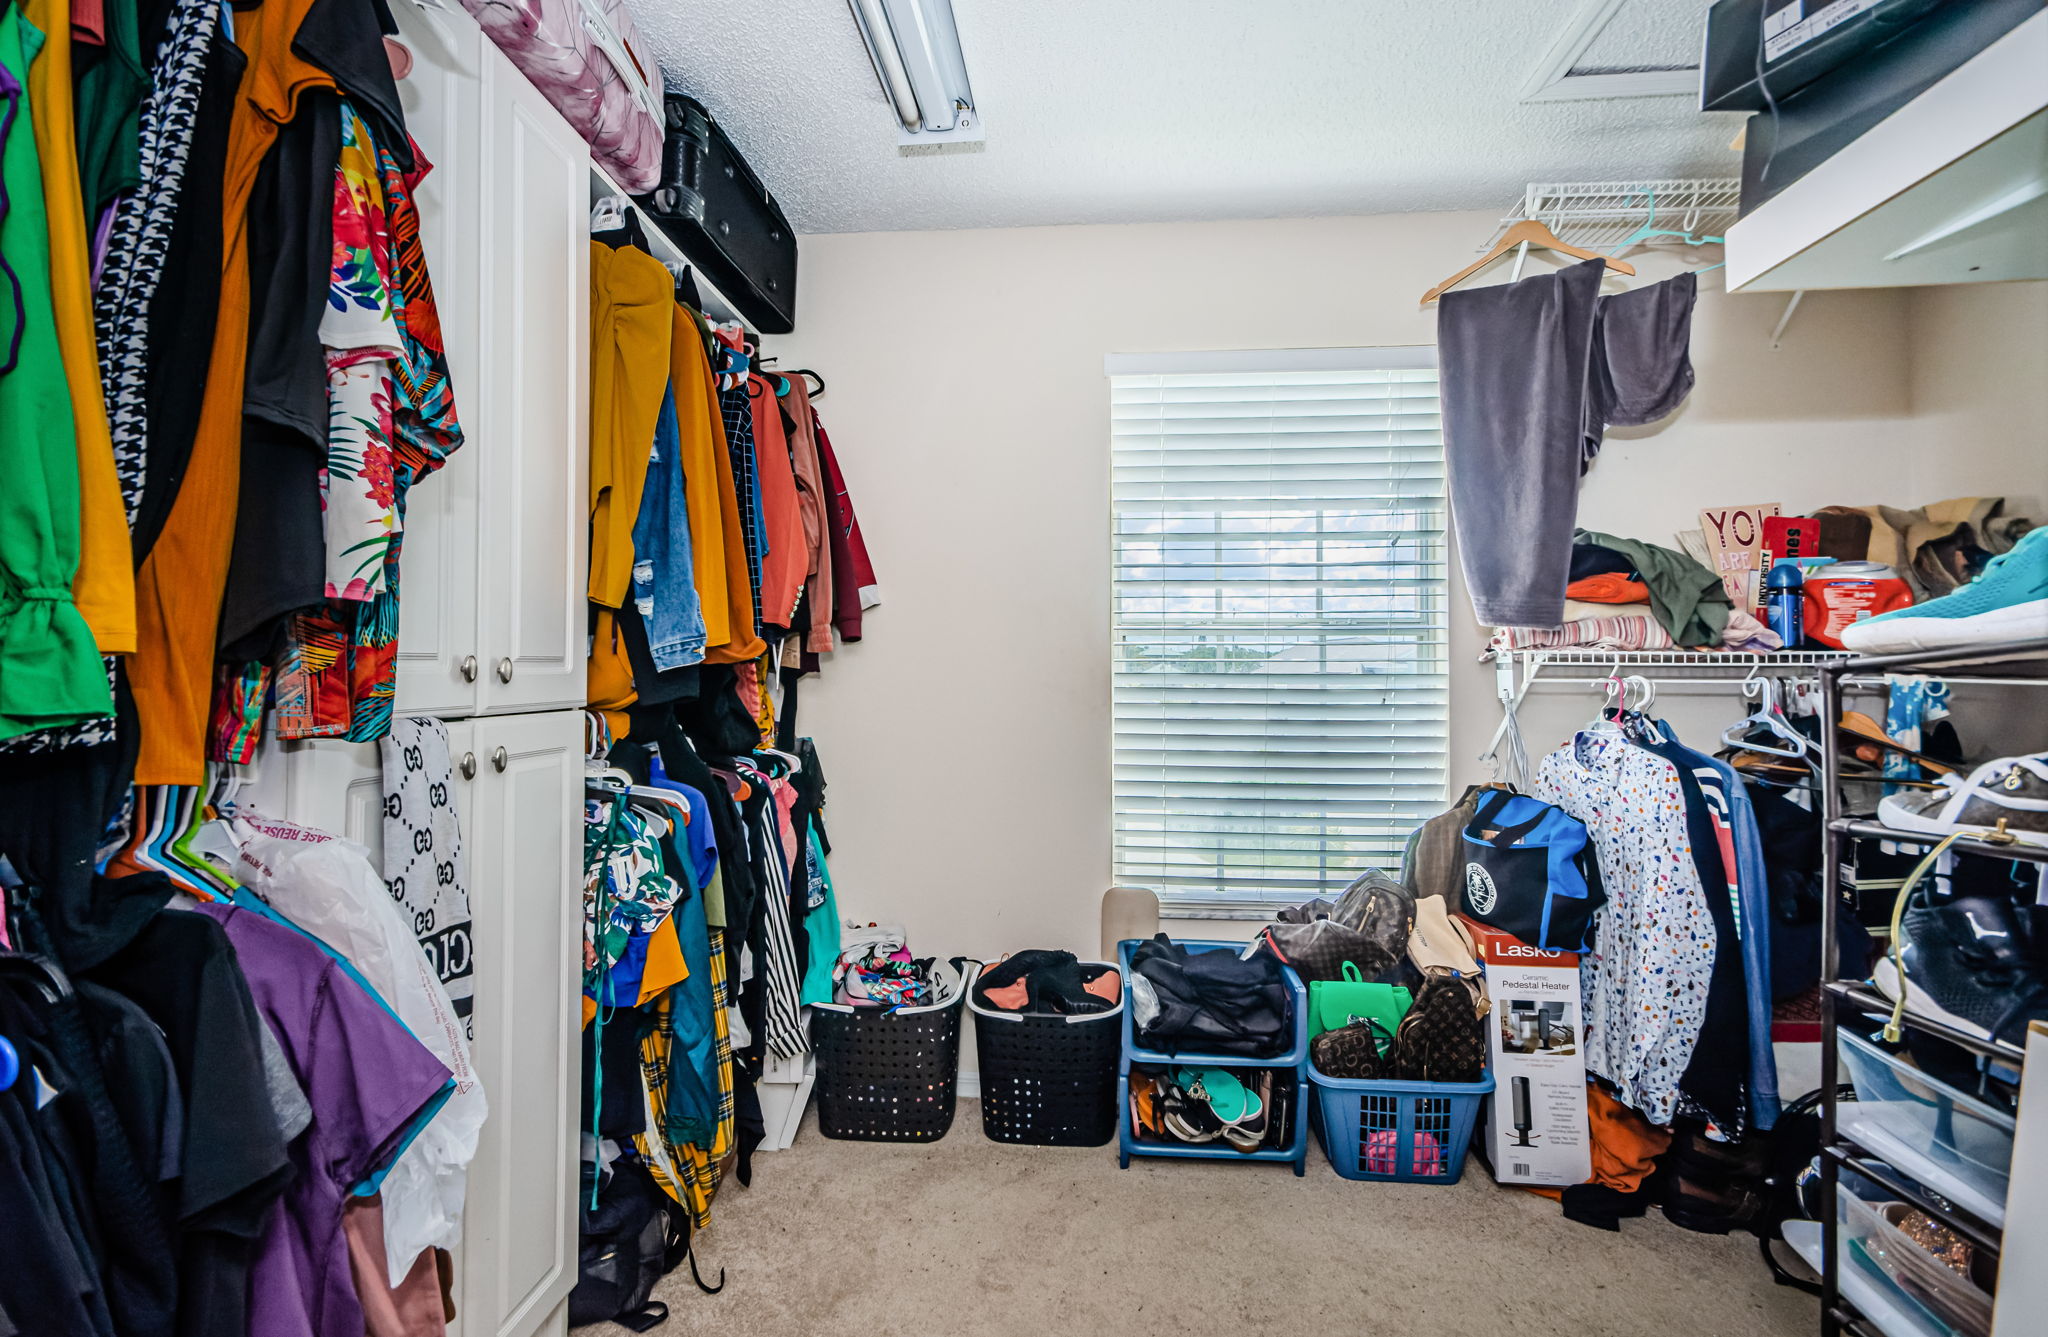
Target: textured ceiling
column 1157, row 110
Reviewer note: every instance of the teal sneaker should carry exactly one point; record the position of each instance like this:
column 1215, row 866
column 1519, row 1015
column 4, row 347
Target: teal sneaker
column 2008, row 601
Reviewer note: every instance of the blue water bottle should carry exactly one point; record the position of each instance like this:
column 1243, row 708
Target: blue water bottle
column 1784, row 602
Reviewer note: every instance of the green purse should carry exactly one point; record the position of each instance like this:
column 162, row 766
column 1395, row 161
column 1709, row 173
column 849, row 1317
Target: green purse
column 1335, row 1004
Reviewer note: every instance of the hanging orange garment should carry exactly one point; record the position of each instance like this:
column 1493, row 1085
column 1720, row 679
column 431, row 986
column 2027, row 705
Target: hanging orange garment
column 179, row 588
column 702, row 434
column 608, row 679
column 786, row 565
column 103, row 587
column 745, row 643
column 631, row 305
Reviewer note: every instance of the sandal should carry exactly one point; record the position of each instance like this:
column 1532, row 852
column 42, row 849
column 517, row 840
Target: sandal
column 1249, row 1132
column 1438, row 943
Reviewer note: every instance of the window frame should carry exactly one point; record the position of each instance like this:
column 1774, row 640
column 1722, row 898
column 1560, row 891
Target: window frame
column 1240, row 903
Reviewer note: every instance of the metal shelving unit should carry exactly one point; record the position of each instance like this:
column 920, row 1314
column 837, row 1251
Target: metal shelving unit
column 1842, row 1001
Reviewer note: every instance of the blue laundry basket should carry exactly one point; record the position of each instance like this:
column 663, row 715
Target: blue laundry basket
column 1397, row 1132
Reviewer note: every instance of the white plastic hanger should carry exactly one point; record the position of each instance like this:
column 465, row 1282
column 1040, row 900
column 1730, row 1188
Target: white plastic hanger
column 1768, row 717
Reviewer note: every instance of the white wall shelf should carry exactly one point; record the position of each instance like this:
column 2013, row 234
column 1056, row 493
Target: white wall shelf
column 1950, row 188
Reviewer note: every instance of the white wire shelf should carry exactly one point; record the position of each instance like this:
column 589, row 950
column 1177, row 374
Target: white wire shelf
column 1602, row 214
column 1686, row 659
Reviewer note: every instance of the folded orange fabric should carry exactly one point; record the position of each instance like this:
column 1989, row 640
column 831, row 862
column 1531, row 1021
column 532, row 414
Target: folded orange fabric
column 1609, row 587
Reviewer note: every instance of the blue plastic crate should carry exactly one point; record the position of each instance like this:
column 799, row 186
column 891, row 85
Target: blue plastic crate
column 1296, row 1055
column 1295, row 1153
column 1396, row 1132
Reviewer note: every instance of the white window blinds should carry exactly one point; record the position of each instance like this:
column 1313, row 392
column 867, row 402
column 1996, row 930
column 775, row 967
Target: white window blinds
column 1280, row 678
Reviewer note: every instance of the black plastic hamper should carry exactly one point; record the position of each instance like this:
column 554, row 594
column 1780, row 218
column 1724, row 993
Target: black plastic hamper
column 1047, row 1080
column 888, row 1075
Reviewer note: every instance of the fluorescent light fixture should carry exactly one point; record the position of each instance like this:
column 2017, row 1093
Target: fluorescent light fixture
column 915, row 49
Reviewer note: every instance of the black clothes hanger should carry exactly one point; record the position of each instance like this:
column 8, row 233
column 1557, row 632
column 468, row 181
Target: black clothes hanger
column 810, row 375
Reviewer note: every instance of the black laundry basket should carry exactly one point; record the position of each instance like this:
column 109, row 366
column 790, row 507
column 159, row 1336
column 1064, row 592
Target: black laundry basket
column 888, row 1075
column 1047, row 1080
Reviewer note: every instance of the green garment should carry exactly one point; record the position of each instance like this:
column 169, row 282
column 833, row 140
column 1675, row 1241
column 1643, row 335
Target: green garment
column 50, row 669
column 1686, row 598
column 108, row 110
column 822, row 927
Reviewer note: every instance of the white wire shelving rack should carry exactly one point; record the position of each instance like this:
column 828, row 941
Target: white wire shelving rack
column 1517, row 671
column 1603, row 214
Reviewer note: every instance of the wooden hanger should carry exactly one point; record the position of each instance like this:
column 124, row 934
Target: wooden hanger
column 1528, row 232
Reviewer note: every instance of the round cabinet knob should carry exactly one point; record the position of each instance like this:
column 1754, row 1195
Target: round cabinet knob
column 505, row 670
column 469, row 668
column 469, row 765
column 498, row 759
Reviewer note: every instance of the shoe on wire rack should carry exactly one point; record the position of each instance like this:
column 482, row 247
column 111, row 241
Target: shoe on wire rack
column 2008, row 601
column 2012, row 790
column 1971, row 963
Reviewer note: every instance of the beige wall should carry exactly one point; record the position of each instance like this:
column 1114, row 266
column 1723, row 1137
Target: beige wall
column 967, row 739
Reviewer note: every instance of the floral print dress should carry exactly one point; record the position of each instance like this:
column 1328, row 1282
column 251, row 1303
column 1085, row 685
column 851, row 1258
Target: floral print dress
column 1645, row 981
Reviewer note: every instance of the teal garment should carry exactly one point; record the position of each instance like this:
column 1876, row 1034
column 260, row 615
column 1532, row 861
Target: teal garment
column 821, row 926
column 1688, row 600
column 50, row 669
column 691, row 1113
column 108, row 109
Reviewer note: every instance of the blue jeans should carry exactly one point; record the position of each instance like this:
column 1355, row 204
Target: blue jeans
column 664, row 585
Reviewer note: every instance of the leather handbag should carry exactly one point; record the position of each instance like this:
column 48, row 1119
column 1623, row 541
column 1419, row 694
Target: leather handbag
column 1530, row 872
column 1335, row 1004
column 1441, row 1039
column 1355, row 1053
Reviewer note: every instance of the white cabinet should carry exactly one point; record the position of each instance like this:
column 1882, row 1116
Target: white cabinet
column 525, row 872
column 492, row 617
column 520, row 807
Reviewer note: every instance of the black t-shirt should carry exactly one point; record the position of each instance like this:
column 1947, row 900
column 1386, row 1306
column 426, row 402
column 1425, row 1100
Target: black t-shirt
column 186, row 308
column 279, row 561
column 181, row 970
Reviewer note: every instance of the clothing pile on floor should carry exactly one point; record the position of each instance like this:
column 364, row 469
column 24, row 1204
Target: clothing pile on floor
column 1249, row 1109
column 1048, row 983
column 876, row 969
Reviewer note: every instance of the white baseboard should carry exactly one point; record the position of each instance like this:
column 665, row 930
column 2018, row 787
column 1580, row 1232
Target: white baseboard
column 969, row 1086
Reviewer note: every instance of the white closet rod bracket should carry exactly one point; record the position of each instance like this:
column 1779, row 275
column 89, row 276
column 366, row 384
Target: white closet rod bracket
column 1778, row 330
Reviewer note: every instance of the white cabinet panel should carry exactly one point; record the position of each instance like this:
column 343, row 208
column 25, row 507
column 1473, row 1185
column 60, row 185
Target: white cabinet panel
column 524, row 817
column 536, row 306
column 438, row 621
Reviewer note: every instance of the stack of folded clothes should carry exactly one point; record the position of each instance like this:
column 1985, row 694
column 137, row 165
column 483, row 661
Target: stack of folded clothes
column 1629, row 595
column 1055, row 983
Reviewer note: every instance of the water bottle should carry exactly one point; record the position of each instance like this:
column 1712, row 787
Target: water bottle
column 1784, row 602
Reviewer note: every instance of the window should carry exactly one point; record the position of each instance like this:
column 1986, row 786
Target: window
column 1280, row 676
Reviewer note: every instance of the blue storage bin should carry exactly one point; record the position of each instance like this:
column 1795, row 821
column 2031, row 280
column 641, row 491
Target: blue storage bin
column 1397, row 1132
column 1295, row 1057
column 1295, row 1060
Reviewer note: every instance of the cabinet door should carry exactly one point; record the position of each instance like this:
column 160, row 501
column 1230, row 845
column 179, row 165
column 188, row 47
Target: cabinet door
column 526, row 854
column 440, row 656
column 536, row 308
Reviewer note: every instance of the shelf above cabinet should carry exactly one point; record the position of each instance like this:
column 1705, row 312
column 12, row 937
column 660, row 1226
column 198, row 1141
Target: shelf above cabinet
column 1951, row 188
column 716, row 306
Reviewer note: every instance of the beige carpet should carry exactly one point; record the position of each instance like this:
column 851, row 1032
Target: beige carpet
column 965, row 1237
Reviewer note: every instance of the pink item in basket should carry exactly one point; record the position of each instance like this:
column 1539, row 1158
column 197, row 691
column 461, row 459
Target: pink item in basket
column 1383, row 1153
column 587, row 58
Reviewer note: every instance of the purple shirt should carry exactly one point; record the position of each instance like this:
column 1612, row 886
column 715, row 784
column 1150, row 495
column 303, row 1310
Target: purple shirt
column 366, row 1077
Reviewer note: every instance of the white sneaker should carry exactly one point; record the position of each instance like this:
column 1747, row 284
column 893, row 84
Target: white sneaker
column 2012, row 790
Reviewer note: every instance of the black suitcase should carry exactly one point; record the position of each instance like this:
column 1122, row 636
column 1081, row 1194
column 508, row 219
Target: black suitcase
column 715, row 208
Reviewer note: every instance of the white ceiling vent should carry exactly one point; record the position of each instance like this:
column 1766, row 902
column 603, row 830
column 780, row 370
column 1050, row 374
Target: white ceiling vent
column 1622, row 49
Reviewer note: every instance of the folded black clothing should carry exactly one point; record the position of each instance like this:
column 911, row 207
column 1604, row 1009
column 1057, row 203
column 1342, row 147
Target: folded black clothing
column 1590, row 559
column 1602, row 1207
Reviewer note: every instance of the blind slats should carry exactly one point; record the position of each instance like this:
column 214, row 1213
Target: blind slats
column 1281, row 673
